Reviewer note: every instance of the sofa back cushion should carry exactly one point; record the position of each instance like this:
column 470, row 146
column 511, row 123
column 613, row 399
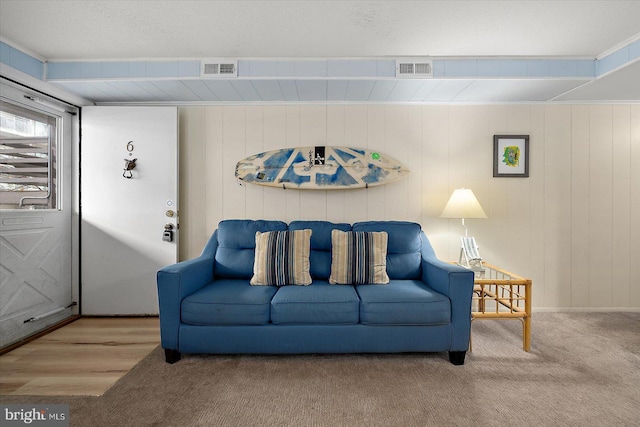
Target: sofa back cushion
column 403, row 246
column 320, row 258
column 236, row 246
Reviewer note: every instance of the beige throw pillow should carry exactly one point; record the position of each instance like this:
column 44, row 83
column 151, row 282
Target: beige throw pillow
column 282, row 258
column 358, row 257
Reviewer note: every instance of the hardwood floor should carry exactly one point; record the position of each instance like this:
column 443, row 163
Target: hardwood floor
column 85, row 357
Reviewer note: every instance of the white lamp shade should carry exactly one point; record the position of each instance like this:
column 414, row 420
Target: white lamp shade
column 463, row 204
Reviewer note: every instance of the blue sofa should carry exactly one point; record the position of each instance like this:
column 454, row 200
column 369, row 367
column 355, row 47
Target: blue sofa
column 207, row 304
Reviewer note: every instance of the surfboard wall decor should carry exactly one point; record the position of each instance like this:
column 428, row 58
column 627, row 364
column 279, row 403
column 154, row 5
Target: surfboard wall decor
column 320, row 168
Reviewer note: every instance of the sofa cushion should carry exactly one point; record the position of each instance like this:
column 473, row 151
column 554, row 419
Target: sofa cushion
column 236, row 246
column 403, row 246
column 319, row 303
column 320, row 257
column 403, row 302
column 358, row 257
column 228, row 302
column 282, row 258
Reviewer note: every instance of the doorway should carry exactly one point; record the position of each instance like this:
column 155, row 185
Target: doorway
column 129, row 206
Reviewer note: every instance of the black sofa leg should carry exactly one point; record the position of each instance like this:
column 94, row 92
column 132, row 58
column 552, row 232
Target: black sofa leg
column 172, row 356
column 457, row 357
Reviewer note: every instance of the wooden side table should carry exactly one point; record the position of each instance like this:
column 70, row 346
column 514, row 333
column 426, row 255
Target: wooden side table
column 499, row 294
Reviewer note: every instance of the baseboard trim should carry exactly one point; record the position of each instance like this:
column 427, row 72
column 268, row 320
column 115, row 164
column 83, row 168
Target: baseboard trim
column 118, row 316
column 37, row 335
column 585, row 310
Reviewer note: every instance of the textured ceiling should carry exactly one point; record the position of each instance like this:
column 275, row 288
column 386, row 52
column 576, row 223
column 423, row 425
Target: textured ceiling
column 138, row 30
column 76, row 30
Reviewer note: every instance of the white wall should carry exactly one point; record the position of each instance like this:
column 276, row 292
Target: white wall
column 570, row 226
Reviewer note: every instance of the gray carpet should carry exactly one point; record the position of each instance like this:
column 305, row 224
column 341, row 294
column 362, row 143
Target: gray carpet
column 583, row 370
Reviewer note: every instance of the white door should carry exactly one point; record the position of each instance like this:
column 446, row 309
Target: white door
column 35, row 215
column 125, row 209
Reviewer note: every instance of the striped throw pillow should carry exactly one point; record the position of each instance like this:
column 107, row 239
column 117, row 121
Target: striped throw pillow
column 358, row 257
column 282, row 258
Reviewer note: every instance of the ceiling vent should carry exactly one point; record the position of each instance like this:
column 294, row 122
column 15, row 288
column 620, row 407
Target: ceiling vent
column 414, row 68
column 218, row 68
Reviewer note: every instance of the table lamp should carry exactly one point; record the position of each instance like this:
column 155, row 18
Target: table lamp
column 463, row 204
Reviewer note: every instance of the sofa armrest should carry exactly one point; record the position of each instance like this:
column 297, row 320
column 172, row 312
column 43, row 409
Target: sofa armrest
column 456, row 283
column 177, row 281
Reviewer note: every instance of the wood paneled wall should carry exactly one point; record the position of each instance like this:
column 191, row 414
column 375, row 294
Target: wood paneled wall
column 572, row 226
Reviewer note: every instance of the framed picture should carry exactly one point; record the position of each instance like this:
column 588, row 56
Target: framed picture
column 511, row 156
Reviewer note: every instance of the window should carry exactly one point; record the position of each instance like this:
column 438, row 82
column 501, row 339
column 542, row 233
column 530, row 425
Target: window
column 28, row 147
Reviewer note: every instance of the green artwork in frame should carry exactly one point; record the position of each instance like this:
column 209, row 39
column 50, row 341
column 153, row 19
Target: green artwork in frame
column 511, row 156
